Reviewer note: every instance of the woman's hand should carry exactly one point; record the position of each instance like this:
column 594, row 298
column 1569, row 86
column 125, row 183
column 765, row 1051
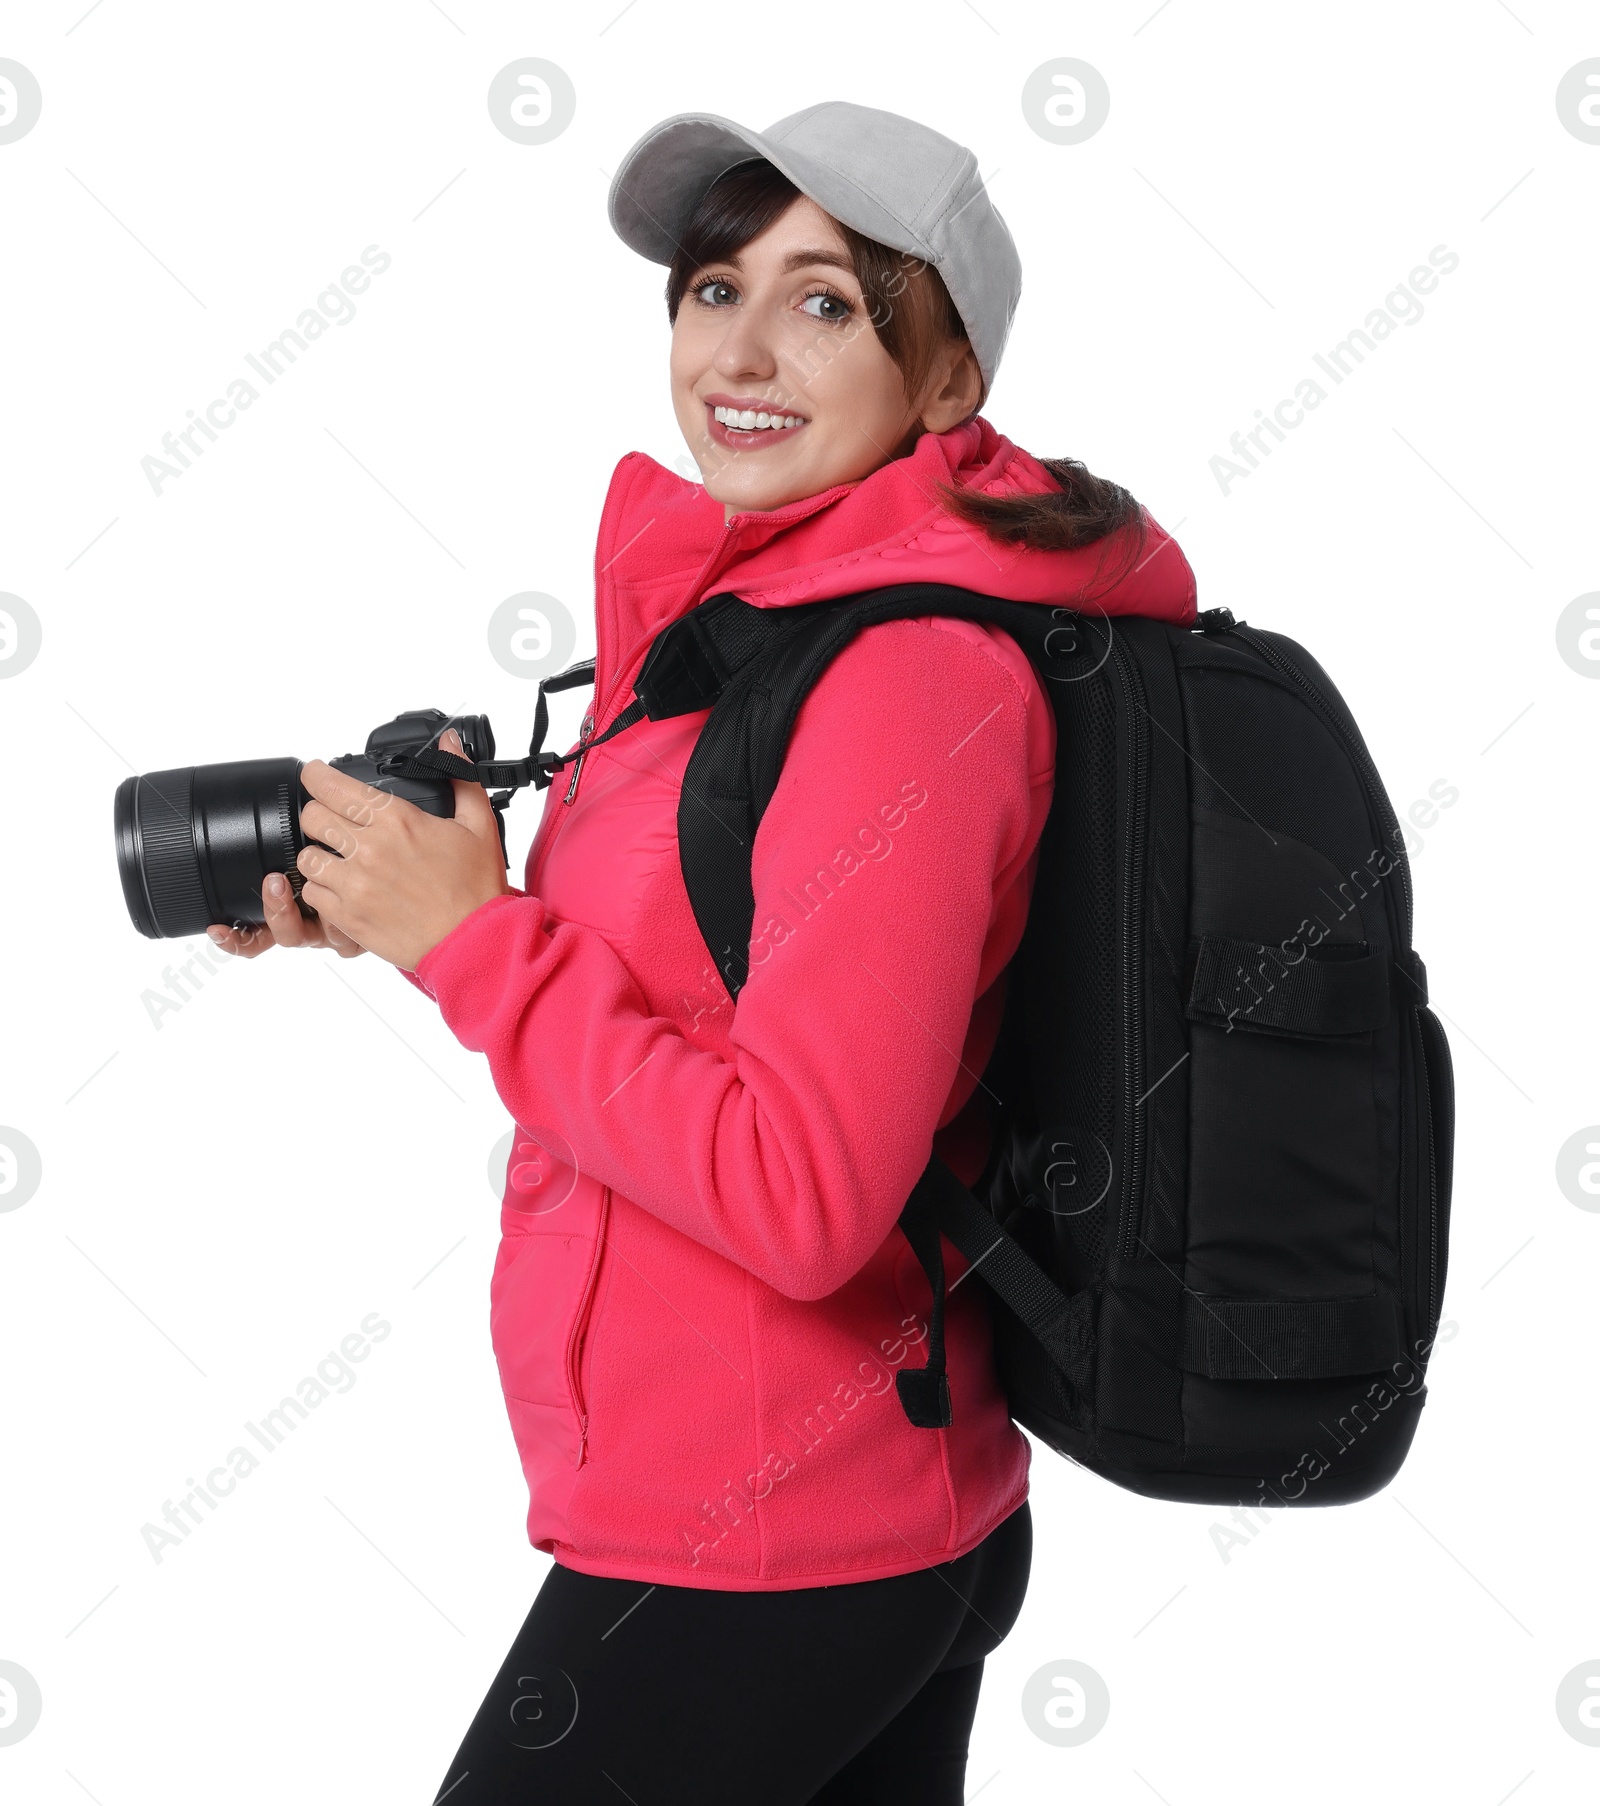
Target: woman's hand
column 397, row 879
column 284, row 927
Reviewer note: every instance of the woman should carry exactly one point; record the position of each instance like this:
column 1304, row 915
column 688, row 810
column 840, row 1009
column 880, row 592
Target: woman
column 764, row 1575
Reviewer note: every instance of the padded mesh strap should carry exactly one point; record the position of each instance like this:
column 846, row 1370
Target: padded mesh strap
column 1251, row 985
column 691, row 661
column 1288, row 1339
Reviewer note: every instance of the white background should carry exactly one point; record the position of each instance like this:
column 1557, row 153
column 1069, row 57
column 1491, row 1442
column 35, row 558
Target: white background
column 303, row 1142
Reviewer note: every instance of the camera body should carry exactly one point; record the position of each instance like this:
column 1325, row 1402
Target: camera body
column 194, row 844
column 411, row 733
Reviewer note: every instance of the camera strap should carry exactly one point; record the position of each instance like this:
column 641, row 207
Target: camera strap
column 688, row 665
column 538, row 768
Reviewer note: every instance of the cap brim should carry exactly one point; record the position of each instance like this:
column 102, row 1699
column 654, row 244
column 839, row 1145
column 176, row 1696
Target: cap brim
column 661, row 180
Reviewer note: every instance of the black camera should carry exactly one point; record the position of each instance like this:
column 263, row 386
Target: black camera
column 194, row 844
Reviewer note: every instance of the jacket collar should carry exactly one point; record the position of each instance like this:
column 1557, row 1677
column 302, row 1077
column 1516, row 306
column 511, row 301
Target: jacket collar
column 663, row 544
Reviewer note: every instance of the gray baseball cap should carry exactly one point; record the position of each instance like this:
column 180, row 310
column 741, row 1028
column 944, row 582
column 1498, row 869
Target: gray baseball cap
column 888, row 177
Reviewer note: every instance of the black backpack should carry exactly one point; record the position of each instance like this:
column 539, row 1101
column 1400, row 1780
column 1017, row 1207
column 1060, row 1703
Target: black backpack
column 1214, row 1216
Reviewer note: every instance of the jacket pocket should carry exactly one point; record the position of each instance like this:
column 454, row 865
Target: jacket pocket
column 578, row 1335
column 541, row 1298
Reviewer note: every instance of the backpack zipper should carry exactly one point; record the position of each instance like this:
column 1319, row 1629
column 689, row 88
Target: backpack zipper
column 1132, row 952
column 1377, row 799
column 1383, row 813
column 1426, row 1087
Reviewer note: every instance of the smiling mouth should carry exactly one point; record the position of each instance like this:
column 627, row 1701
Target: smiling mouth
column 756, row 420
column 750, row 429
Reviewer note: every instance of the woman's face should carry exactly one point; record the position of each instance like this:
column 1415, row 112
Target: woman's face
column 781, row 331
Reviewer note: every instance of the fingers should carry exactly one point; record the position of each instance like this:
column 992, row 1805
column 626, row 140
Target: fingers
column 473, row 808
column 322, row 900
column 285, row 926
column 244, row 944
column 340, row 942
column 342, row 793
column 333, row 829
column 321, row 932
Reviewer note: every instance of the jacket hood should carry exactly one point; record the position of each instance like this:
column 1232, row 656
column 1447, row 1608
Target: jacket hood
column 664, row 546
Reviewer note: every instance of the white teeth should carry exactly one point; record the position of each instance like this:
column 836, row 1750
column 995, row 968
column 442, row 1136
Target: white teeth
column 749, row 420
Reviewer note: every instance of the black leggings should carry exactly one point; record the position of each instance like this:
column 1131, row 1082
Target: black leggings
column 865, row 1692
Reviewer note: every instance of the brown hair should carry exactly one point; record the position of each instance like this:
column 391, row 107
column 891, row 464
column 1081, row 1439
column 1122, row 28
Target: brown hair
column 911, row 312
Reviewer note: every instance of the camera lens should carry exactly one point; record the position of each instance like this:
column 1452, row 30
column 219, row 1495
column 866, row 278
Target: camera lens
column 194, row 844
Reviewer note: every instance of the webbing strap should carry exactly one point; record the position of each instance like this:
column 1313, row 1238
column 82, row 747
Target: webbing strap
column 1288, row 1339
column 538, row 768
column 1253, row 985
column 1061, row 1324
column 435, row 762
column 1413, row 988
column 925, row 1391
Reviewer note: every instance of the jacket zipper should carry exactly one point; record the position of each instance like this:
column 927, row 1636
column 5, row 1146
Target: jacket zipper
column 550, row 822
column 584, row 731
column 580, row 1327
column 599, row 715
column 1132, row 952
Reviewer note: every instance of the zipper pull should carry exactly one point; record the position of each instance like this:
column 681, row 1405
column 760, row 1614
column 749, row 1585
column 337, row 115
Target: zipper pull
column 585, row 728
column 1216, row 620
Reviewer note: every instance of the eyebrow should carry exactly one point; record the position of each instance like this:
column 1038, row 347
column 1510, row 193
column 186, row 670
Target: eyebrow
column 797, row 260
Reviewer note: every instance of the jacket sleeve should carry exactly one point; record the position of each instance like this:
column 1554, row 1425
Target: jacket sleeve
column 411, row 977
column 908, row 805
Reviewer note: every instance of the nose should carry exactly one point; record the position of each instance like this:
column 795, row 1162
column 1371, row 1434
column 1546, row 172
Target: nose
column 745, row 350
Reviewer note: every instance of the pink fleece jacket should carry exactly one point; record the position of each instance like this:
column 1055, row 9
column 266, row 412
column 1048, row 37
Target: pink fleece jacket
column 701, row 1295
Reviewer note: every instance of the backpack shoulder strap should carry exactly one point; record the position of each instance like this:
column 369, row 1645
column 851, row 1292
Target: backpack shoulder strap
column 753, row 668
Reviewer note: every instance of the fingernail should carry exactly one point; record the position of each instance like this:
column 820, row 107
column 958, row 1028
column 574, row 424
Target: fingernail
column 277, row 884
column 217, row 934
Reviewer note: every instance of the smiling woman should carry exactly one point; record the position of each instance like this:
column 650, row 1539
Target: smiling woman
column 782, row 313
column 863, row 346
column 840, row 289
column 726, row 1253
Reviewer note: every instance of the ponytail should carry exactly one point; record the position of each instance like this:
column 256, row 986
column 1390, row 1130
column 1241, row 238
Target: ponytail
column 1084, row 510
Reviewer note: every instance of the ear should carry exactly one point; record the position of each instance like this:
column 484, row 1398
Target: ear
column 955, row 388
